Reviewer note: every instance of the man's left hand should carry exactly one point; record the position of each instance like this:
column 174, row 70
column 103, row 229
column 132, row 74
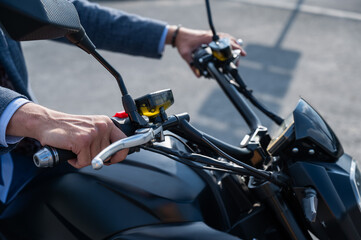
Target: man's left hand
column 188, row 40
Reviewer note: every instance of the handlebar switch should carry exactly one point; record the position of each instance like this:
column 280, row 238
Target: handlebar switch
column 201, row 57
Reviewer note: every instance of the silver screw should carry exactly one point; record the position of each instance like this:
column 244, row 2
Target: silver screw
column 295, row 150
column 311, row 151
column 324, row 224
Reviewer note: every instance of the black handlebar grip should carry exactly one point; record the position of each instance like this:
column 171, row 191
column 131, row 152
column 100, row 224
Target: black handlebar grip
column 51, row 157
column 65, row 155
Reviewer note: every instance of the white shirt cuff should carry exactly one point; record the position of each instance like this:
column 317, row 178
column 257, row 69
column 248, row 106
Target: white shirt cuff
column 162, row 40
column 4, row 121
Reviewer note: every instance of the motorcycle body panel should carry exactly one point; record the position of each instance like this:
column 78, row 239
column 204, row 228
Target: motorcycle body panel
column 184, row 231
column 145, row 189
column 338, row 211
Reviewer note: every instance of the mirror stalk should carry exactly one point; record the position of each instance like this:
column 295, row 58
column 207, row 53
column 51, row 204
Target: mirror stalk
column 128, row 102
column 215, row 37
column 81, row 40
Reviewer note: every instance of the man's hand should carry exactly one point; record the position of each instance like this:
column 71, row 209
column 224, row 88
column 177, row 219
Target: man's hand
column 188, row 40
column 86, row 136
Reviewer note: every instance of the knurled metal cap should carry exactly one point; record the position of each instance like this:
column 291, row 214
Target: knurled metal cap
column 43, row 158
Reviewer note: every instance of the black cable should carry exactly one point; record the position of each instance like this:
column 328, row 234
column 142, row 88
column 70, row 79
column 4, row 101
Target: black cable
column 255, row 171
column 184, row 162
column 181, row 141
column 276, row 178
column 248, row 94
column 242, row 88
column 199, row 158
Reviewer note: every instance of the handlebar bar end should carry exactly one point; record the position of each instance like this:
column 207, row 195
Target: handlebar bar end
column 45, row 158
column 97, row 163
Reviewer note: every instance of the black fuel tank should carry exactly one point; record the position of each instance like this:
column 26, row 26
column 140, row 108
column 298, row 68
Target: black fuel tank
column 145, row 189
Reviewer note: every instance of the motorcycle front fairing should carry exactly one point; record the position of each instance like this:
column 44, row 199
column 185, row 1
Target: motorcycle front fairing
column 310, row 126
column 315, row 160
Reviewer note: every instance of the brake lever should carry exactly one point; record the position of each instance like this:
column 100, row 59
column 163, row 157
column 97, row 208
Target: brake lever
column 236, row 56
column 142, row 136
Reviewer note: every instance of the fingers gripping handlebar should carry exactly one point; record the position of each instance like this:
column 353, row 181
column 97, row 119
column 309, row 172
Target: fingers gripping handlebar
column 141, row 137
column 51, row 156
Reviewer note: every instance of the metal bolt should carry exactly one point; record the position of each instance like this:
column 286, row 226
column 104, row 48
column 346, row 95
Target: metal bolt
column 201, row 60
column 295, row 150
column 311, row 152
column 205, row 73
column 323, row 224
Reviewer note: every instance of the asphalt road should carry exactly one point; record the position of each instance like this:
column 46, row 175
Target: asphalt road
column 305, row 48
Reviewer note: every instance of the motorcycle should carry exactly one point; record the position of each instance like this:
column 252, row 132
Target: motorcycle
column 181, row 183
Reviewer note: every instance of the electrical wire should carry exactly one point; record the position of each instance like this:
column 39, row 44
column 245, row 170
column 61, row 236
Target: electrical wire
column 181, row 141
column 206, row 160
column 236, row 80
column 255, row 171
column 188, row 164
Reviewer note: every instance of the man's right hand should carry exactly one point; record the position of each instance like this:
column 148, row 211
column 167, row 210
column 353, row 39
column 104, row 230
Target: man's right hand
column 86, row 136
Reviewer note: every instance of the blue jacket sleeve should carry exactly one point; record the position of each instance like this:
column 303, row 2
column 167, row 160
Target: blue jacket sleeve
column 7, row 96
column 114, row 30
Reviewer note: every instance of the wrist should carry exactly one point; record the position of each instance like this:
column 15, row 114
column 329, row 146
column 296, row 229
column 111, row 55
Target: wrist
column 28, row 121
column 172, row 35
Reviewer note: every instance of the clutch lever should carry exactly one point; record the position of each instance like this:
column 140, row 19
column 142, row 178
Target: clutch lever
column 142, row 136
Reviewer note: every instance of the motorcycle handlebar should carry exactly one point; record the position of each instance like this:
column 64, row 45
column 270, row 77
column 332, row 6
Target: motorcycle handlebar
column 50, row 156
column 243, row 108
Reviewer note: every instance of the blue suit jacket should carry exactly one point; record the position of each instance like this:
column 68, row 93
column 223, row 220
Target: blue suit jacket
column 109, row 29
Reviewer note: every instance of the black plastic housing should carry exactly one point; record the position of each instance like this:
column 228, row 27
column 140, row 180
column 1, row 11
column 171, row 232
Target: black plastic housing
column 338, row 212
column 27, row 20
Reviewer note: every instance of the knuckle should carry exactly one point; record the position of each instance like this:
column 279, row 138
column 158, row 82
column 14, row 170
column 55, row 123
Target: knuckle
column 92, row 133
column 83, row 139
column 102, row 126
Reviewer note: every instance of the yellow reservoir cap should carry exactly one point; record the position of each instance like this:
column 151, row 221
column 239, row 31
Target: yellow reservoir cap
column 150, row 104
